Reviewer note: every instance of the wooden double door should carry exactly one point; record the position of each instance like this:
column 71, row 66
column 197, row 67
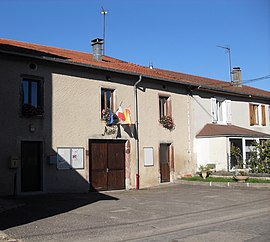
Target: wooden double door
column 107, row 164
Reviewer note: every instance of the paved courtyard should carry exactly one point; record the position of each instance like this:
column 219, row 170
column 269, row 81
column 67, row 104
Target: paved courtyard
column 176, row 212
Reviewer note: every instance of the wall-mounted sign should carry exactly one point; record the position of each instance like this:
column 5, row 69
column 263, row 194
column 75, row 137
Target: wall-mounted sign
column 68, row 158
column 148, row 156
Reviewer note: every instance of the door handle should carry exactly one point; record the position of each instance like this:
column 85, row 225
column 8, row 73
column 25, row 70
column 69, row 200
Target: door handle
column 107, row 170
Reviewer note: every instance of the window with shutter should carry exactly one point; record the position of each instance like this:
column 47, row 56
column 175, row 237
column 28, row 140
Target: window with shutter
column 214, row 110
column 221, row 110
column 251, row 114
column 228, row 111
column 165, row 108
column 254, row 114
column 263, row 115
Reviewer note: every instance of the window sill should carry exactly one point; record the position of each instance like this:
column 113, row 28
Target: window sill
column 32, row 114
column 221, row 122
column 257, row 125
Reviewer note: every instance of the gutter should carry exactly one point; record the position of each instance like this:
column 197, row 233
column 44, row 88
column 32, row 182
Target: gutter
column 137, row 133
column 197, row 86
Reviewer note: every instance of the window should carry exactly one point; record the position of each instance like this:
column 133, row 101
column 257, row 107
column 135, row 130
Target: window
column 32, row 103
column 107, row 99
column 221, row 110
column 164, row 106
column 257, row 114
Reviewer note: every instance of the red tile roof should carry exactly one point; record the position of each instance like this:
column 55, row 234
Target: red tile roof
column 215, row 130
column 71, row 56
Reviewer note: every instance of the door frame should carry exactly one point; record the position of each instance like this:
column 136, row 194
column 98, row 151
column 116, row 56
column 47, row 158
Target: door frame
column 126, row 144
column 19, row 170
column 170, row 161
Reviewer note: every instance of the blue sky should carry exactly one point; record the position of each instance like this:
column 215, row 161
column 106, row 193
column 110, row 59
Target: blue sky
column 178, row 35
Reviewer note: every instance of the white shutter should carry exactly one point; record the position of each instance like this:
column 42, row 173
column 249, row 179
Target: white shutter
column 228, row 111
column 214, row 110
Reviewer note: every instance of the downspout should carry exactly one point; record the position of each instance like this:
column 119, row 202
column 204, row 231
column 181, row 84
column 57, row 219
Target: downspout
column 137, row 133
column 189, row 129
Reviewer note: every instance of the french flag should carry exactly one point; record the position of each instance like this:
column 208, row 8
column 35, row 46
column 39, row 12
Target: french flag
column 120, row 114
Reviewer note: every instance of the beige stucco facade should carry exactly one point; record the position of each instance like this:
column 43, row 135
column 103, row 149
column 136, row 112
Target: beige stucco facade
column 71, row 100
column 72, row 117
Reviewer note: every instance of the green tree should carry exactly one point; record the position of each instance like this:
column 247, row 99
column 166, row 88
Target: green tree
column 260, row 157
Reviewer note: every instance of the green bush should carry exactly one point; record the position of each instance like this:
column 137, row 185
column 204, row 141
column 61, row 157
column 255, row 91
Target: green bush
column 260, row 157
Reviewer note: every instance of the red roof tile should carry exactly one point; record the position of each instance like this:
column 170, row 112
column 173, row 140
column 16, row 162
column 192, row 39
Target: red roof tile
column 113, row 64
column 215, row 130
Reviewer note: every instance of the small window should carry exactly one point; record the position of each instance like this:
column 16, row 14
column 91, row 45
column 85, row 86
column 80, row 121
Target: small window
column 107, row 99
column 164, row 106
column 219, row 105
column 221, row 110
column 253, row 114
column 32, row 104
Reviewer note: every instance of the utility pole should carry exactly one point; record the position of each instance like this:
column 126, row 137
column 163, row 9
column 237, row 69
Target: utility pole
column 229, row 58
column 104, row 12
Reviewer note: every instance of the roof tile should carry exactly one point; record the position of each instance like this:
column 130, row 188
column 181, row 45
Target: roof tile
column 216, row 130
column 114, row 64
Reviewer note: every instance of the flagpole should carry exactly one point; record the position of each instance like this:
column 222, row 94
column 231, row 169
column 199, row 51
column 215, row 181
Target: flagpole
column 137, row 135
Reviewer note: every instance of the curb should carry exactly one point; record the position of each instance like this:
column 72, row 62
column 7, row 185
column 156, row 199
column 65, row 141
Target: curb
column 227, row 184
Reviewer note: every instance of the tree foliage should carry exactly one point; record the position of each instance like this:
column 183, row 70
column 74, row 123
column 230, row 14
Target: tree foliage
column 260, row 157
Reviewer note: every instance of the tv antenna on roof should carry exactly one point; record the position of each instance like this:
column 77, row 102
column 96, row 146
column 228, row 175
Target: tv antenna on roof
column 228, row 49
column 104, row 12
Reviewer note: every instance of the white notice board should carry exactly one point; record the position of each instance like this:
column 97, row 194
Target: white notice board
column 63, row 158
column 148, row 156
column 77, row 158
column 68, row 158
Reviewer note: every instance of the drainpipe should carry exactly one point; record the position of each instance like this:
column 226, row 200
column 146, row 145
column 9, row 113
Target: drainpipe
column 189, row 129
column 137, row 136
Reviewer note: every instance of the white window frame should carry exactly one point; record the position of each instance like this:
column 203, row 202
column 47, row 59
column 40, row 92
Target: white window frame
column 257, row 113
column 221, row 111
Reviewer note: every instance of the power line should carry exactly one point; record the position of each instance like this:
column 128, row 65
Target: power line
column 257, row 79
column 248, row 81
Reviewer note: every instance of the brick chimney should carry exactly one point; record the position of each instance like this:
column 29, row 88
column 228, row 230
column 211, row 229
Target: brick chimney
column 97, row 46
column 237, row 77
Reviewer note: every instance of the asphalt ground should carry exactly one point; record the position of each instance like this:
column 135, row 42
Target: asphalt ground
column 174, row 212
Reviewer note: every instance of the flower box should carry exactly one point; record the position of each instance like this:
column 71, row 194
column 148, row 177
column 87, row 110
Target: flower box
column 167, row 122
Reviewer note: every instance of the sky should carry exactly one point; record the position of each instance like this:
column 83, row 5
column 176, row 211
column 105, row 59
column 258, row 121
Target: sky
column 178, row 35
